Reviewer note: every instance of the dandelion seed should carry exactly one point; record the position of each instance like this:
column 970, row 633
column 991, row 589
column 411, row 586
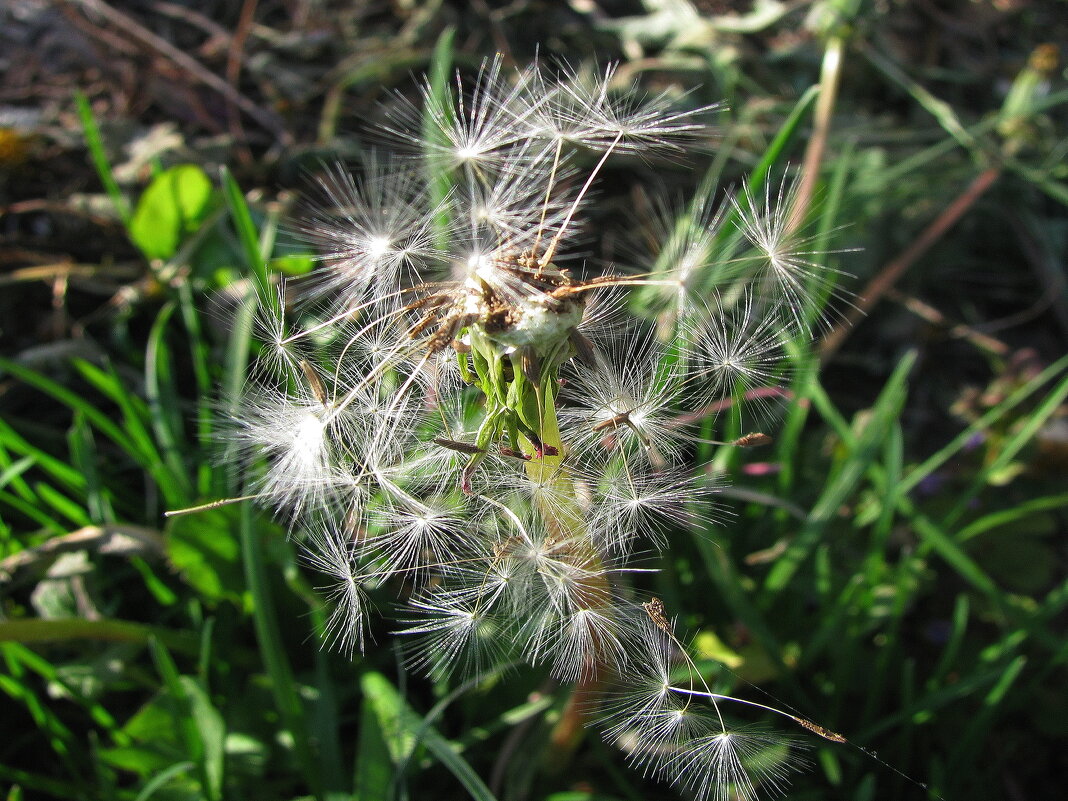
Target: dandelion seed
column 387, row 233
column 451, row 633
column 296, row 432
column 331, row 553
column 733, row 765
column 739, row 349
column 620, row 405
column 474, row 129
column 628, row 506
column 789, row 270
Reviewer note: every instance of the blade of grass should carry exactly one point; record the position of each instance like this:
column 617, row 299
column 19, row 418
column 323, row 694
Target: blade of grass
column 758, row 177
column 982, row 726
column 161, row 779
column 163, row 403
column 50, row 673
column 62, row 630
column 884, row 412
column 167, row 471
column 939, row 109
column 84, row 456
column 788, row 436
column 139, row 448
column 202, row 374
column 201, row 741
column 40, row 783
column 95, row 143
column 12, row 474
column 403, row 730
column 33, row 511
column 249, row 237
column 134, row 410
column 439, row 101
column 730, row 233
column 62, row 472
column 74, row 512
column 1007, row 516
column 944, row 454
column 952, row 648
column 268, row 634
column 1010, row 448
column 374, row 762
column 74, row 401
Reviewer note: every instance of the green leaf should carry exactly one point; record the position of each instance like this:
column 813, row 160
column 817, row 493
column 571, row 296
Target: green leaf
column 211, row 731
column 172, row 206
column 205, row 550
column 862, row 451
column 374, row 760
column 95, row 144
column 293, row 264
column 403, row 730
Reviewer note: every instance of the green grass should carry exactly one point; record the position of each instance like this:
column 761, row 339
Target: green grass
column 917, row 606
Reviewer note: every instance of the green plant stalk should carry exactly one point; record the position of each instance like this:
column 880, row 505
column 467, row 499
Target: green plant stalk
column 830, row 74
column 566, row 523
column 283, row 685
column 522, row 406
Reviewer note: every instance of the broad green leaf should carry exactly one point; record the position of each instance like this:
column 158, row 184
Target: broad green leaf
column 171, row 207
column 205, row 550
column 293, row 264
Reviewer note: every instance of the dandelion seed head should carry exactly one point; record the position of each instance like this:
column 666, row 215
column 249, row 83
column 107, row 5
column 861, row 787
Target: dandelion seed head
column 465, row 415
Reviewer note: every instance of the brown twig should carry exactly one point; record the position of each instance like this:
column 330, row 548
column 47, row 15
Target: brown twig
column 219, row 36
column 187, row 63
column 889, row 274
column 959, row 330
column 112, row 539
column 233, row 73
